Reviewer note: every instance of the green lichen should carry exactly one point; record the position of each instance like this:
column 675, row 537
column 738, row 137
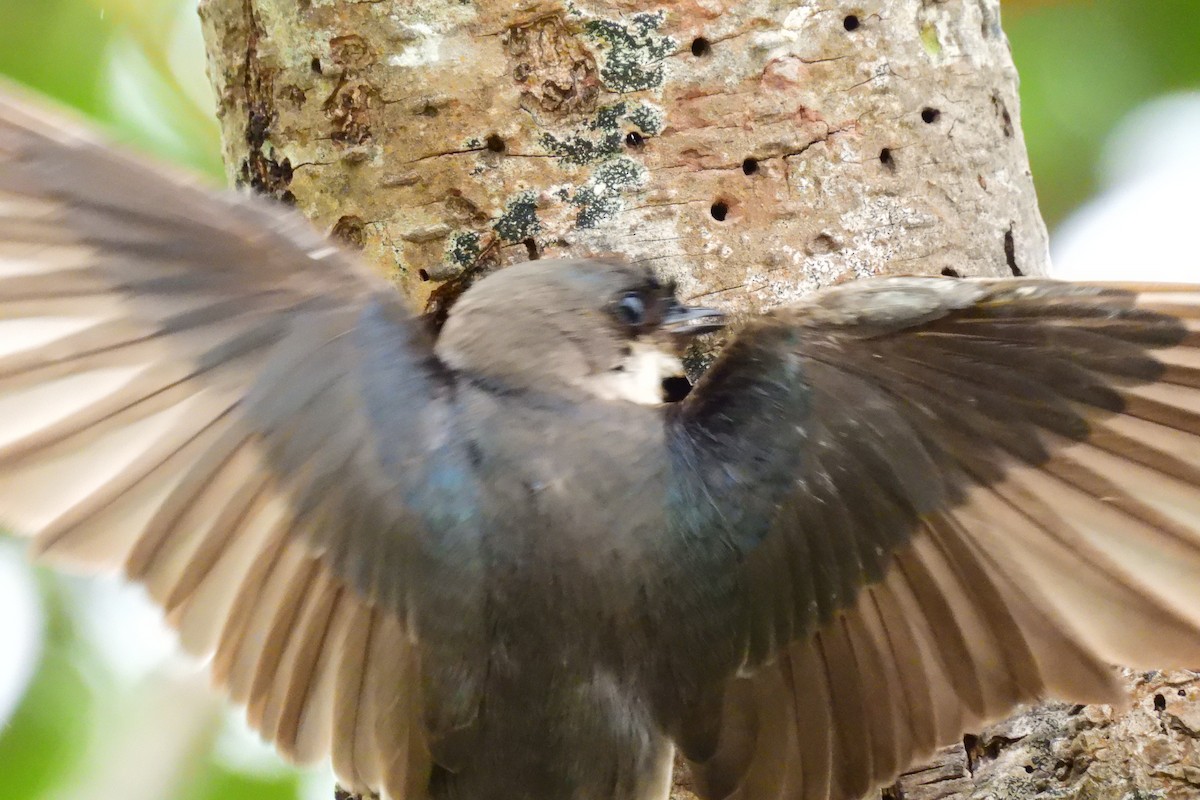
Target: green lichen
column 634, row 51
column 600, row 198
column 602, row 137
column 648, row 118
column 929, row 38
column 608, row 117
column 519, row 220
column 463, row 249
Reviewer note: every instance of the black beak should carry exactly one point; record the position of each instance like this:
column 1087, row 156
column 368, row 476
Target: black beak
column 683, row 320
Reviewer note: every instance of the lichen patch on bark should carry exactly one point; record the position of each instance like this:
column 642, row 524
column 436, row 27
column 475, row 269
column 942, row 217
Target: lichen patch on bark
column 633, row 51
column 609, row 127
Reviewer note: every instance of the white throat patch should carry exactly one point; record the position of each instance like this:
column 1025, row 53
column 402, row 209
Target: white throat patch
column 640, row 377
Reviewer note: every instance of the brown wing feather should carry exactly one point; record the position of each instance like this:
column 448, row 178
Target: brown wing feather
column 1029, row 452
column 160, row 347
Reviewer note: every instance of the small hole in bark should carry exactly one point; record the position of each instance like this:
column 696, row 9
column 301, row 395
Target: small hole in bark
column 719, row 210
column 495, row 144
column 349, row 229
column 1010, row 253
column 1028, row 769
column 701, row 47
column 750, row 166
column 531, row 249
column 422, row 274
column 930, row 115
column 851, row 22
column 634, row 139
column 316, row 65
column 1160, row 703
column 885, row 158
column 1005, row 118
column 951, row 273
column 822, row 244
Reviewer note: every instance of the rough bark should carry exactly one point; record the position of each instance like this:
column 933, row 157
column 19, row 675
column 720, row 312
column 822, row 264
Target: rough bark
column 449, row 137
column 1150, row 751
column 753, row 150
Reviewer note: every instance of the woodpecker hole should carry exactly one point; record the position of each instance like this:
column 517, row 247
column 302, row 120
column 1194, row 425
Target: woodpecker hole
column 719, row 210
column 701, row 47
column 851, row 22
column 930, row 115
column 750, row 166
column 495, row 144
column 822, row 244
column 350, row 229
column 885, row 158
column 949, row 272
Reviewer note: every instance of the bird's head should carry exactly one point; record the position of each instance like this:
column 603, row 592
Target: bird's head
column 604, row 327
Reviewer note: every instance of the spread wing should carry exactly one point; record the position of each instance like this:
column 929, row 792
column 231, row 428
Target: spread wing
column 182, row 395
column 947, row 497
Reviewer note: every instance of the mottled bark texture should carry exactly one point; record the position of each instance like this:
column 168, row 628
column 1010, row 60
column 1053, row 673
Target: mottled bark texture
column 1150, row 751
column 751, row 149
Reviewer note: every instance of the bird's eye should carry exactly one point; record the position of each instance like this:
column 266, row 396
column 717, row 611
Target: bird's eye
column 631, row 309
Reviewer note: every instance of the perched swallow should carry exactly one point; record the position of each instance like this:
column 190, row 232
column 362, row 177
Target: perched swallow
column 493, row 564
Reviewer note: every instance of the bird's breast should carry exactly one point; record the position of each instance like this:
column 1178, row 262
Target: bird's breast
column 572, row 498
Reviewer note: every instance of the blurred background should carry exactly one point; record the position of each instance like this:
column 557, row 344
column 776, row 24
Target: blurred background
column 94, row 700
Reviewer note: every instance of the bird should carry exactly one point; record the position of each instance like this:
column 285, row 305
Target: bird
column 493, row 561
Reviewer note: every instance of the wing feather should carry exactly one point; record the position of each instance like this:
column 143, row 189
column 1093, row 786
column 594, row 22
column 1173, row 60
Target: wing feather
column 993, row 489
column 180, row 398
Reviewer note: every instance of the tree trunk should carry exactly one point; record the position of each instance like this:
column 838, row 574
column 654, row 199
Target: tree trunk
column 752, row 150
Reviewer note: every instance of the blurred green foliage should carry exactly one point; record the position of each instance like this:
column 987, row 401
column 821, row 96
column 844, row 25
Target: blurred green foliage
column 58, row 46
column 75, row 703
column 136, row 66
column 1084, row 65
column 48, row 734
